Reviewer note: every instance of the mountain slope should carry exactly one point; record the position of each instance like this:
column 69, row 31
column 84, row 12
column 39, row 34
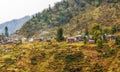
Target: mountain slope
column 73, row 16
column 14, row 24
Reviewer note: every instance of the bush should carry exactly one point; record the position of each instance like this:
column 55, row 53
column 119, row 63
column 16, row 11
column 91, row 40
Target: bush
column 69, row 68
column 34, row 60
column 9, row 61
column 112, row 52
column 106, row 55
column 58, row 56
column 98, row 68
column 117, row 40
column 74, row 57
column 70, row 58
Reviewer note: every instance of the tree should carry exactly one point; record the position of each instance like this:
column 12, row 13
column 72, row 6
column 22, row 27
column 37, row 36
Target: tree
column 6, row 32
column 96, row 35
column 96, row 31
column 60, row 35
column 96, row 26
column 85, row 40
column 113, row 30
column 117, row 40
column 99, row 43
column 86, row 29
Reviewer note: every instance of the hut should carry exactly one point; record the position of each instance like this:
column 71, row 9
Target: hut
column 110, row 37
column 30, row 39
column 48, row 40
column 79, row 38
column 91, row 41
column 24, row 39
column 71, row 39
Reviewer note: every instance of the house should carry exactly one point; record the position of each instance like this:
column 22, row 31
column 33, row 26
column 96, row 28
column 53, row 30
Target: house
column 30, row 39
column 112, row 1
column 79, row 38
column 39, row 39
column 24, row 39
column 71, row 39
column 110, row 37
column 118, row 29
column 91, row 41
column 7, row 41
column 48, row 40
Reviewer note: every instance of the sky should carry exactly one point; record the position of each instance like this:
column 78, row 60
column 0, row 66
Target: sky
column 14, row 9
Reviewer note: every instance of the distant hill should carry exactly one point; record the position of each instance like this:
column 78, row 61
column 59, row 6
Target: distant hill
column 13, row 25
column 73, row 16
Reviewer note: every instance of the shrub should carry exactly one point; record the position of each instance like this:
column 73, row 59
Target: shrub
column 70, row 58
column 74, row 57
column 34, row 60
column 9, row 61
column 117, row 40
column 98, row 68
column 112, row 52
column 113, row 29
column 69, row 68
column 106, row 55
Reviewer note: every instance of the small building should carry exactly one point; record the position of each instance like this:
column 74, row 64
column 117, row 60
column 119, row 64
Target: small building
column 110, row 37
column 30, row 39
column 48, row 40
column 79, row 38
column 24, row 39
column 118, row 29
column 112, row 1
column 91, row 41
column 71, row 39
column 39, row 39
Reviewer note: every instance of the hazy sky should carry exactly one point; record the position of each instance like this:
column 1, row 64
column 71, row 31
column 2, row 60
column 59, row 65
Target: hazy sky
column 12, row 9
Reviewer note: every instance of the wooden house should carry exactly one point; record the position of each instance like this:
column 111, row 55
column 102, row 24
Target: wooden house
column 48, row 40
column 91, row 41
column 79, row 38
column 71, row 39
column 39, row 39
column 24, row 39
column 30, row 39
column 112, row 1
column 110, row 37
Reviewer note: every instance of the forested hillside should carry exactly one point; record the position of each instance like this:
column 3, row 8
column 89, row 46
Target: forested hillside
column 74, row 16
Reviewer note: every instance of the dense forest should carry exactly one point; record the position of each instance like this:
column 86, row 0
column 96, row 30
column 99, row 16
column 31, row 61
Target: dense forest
column 74, row 16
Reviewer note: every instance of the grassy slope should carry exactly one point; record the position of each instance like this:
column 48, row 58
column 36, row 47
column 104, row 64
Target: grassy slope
column 59, row 57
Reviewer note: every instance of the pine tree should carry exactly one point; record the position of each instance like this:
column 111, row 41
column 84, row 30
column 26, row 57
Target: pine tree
column 60, row 35
column 6, row 32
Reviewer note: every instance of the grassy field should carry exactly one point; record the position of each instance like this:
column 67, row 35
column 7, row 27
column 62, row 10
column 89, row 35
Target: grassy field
column 59, row 57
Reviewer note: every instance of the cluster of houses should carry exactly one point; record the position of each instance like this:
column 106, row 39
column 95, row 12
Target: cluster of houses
column 73, row 39
column 17, row 40
column 80, row 38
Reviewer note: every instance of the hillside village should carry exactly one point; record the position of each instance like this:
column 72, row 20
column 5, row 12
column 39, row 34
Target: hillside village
column 72, row 36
